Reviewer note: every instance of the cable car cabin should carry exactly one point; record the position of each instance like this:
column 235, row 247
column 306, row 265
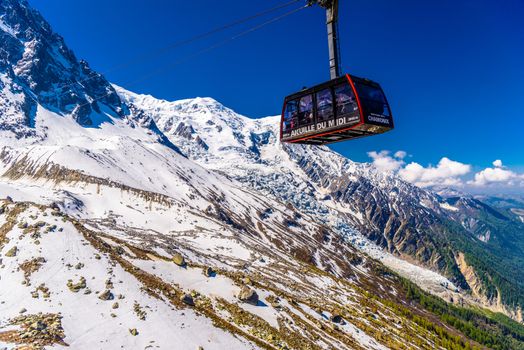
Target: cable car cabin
column 341, row 109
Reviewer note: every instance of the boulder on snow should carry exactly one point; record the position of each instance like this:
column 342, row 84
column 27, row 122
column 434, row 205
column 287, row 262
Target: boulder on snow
column 179, row 259
column 248, row 295
column 187, row 299
column 12, row 252
column 55, row 206
column 106, row 295
column 208, row 272
column 22, row 225
column 335, row 318
column 75, row 287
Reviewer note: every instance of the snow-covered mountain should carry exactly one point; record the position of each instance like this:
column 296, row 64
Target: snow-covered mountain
column 362, row 203
column 39, row 70
column 131, row 222
column 376, row 211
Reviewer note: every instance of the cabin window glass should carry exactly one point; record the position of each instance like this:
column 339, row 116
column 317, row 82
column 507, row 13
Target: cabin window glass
column 324, row 105
column 290, row 115
column 373, row 99
column 345, row 98
column 305, row 110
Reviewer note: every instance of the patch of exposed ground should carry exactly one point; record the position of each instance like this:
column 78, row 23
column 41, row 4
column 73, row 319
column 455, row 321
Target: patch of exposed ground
column 35, row 332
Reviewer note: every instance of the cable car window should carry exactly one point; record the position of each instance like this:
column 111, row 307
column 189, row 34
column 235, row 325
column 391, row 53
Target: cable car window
column 373, row 99
column 305, row 110
column 324, row 105
column 345, row 98
column 290, row 116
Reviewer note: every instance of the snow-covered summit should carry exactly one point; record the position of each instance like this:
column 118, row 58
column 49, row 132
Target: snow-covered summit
column 39, row 69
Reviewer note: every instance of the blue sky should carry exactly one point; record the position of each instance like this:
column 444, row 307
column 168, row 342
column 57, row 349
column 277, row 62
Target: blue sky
column 452, row 70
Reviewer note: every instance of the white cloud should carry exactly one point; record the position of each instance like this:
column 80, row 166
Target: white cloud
column 400, row 154
column 447, row 173
column 384, row 162
column 497, row 175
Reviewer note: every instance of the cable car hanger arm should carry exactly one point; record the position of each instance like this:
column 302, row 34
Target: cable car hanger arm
column 331, row 7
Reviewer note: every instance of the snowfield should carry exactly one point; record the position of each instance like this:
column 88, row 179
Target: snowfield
column 85, row 316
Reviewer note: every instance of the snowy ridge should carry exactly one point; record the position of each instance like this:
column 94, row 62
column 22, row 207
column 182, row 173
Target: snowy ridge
column 36, row 64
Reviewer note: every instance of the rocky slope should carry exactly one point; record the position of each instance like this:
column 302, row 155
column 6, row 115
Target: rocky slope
column 38, row 69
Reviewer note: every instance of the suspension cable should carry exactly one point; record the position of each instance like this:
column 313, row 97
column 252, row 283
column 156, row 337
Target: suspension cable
column 163, row 50
column 198, row 53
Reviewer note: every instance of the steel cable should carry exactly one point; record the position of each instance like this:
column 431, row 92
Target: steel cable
column 198, row 53
column 163, row 50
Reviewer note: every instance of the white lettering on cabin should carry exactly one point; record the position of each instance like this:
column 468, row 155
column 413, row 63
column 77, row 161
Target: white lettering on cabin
column 352, row 119
column 378, row 119
column 323, row 125
column 303, row 130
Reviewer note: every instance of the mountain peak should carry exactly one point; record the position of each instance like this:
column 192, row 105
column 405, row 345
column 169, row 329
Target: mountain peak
column 38, row 67
column 205, row 104
column 205, row 101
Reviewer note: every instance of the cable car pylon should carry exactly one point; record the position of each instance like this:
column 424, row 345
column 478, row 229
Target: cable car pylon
column 343, row 108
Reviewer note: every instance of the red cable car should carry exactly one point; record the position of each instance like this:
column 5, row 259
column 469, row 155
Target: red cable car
column 344, row 108
column 341, row 109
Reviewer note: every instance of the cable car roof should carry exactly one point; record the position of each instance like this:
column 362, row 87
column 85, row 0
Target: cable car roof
column 339, row 80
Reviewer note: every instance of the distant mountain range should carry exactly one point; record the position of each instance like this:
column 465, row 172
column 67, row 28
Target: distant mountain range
column 283, row 246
